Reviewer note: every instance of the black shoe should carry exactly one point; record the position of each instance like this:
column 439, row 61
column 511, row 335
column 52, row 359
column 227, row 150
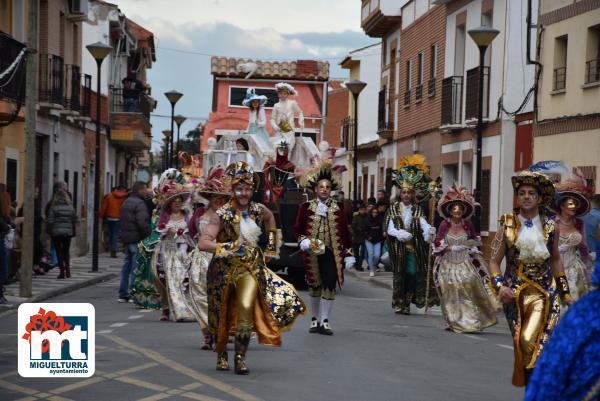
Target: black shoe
column 325, row 328
column 314, row 326
column 359, row 269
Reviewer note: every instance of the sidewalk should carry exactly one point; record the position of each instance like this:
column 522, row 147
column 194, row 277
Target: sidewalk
column 48, row 286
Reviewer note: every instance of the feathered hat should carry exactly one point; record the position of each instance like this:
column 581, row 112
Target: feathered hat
column 214, row 184
column 287, row 87
column 251, row 95
column 412, row 173
column 323, row 170
column 573, row 187
column 171, row 184
column 537, row 176
column 239, row 172
column 460, row 196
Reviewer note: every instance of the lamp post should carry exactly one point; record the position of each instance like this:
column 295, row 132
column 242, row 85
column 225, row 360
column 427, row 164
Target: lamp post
column 167, row 133
column 355, row 87
column 179, row 119
column 482, row 37
column 173, row 97
column 99, row 51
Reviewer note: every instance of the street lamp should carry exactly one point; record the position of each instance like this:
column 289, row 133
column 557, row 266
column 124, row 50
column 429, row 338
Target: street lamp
column 167, row 133
column 173, row 97
column 355, row 86
column 482, row 37
column 179, row 119
column 99, row 51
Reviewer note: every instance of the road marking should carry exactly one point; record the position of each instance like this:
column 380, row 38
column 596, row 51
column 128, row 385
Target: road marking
column 137, row 368
column 155, row 397
column 191, row 386
column 475, row 337
column 8, row 374
column 146, row 310
column 135, row 317
column 104, row 332
column 118, row 324
column 16, row 387
column 141, row 383
column 200, row 397
column 58, row 398
column 184, row 370
column 505, row 346
column 74, row 386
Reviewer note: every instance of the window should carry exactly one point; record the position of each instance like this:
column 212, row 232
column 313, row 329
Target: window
column 238, row 94
column 592, row 63
column 372, row 186
column 432, row 70
column 487, row 20
column 75, row 190
column 559, row 81
column 459, row 51
column 407, row 93
column 66, row 177
column 11, row 177
column 420, row 73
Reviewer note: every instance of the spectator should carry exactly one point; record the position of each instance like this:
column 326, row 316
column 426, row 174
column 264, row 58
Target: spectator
column 132, row 89
column 37, row 232
column 58, row 185
column 135, row 226
column 110, row 212
column 382, row 207
column 5, row 226
column 347, row 206
column 61, row 227
column 374, row 240
column 591, row 222
column 382, row 197
column 359, row 227
column 242, row 145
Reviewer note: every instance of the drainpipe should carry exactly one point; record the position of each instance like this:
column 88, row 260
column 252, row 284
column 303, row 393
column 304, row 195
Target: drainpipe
column 539, row 66
column 324, row 110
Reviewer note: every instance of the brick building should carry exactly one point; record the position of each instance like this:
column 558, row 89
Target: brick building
column 337, row 112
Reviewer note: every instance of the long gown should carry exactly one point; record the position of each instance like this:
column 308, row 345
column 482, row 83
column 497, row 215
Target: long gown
column 466, row 304
column 196, row 296
column 143, row 292
column 575, row 269
column 167, row 256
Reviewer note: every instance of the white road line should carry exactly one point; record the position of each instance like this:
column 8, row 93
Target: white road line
column 146, row 310
column 118, row 324
column 505, row 346
column 104, row 332
column 135, row 317
column 475, row 337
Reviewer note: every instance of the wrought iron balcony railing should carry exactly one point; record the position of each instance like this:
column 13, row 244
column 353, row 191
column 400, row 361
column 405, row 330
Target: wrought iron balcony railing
column 559, row 79
column 452, row 88
column 472, row 93
column 592, row 71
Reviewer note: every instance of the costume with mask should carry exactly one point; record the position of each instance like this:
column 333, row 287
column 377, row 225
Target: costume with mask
column 325, row 240
column 408, row 233
column 244, row 296
column 282, row 117
column 528, row 245
column 460, row 273
column 277, row 172
column 574, row 252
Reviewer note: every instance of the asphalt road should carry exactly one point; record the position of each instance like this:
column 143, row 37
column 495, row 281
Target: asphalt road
column 373, row 355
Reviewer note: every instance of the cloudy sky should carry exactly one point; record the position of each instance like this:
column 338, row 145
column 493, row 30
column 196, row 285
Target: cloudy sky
column 186, row 31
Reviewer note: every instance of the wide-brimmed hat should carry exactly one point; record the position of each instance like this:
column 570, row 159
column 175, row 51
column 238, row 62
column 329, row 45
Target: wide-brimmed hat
column 574, row 187
column 168, row 190
column 285, row 86
column 457, row 196
column 537, row 180
column 251, row 96
column 214, row 184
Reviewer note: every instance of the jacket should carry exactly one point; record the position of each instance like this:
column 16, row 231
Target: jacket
column 375, row 229
column 61, row 220
column 135, row 220
column 111, row 204
column 359, row 228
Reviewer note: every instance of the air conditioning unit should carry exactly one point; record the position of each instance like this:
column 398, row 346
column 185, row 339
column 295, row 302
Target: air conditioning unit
column 78, row 10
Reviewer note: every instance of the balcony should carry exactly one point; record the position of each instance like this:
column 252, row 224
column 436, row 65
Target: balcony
column 347, row 132
column 431, row 87
column 419, row 93
column 472, row 93
column 72, row 88
column 130, row 120
column 386, row 130
column 407, row 96
column 51, row 81
column 86, row 96
column 375, row 22
column 592, row 71
column 12, row 86
column 452, row 100
column 559, row 79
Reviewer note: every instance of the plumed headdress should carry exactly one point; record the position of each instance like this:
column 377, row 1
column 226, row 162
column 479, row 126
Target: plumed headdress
column 214, row 184
column 322, row 171
column 412, row 173
column 537, row 176
column 251, row 95
column 239, row 172
column 171, row 184
column 285, row 86
column 457, row 195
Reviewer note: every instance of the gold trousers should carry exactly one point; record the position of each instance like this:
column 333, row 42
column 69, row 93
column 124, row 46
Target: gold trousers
column 532, row 307
column 246, row 291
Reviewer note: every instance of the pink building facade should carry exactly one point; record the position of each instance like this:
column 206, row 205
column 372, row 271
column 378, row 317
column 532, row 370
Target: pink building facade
column 228, row 115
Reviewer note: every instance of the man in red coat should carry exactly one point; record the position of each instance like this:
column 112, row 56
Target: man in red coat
column 325, row 241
